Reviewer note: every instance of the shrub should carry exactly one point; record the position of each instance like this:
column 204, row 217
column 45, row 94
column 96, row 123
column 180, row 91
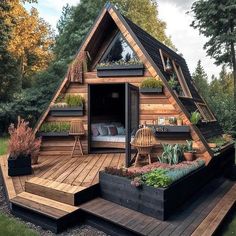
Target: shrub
column 157, row 178
column 151, row 83
column 218, row 140
column 195, row 117
column 74, row 100
column 55, row 127
column 22, row 140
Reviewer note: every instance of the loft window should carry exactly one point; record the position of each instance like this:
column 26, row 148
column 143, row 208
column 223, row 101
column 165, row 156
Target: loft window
column 175, row 76
column 119, row 52
column 205, row 112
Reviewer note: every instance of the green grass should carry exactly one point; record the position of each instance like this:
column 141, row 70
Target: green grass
column 11, row 227
column 229, row 227
column 3, row 145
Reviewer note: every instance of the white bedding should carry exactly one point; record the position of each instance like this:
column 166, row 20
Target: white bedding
column 115, row 138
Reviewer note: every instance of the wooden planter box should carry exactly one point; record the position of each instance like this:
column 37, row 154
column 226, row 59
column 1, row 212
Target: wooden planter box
column 151, row 90
column 120, row 70
column 66, row 111
column 156, row 202
column 53, row 134
column 19, row 166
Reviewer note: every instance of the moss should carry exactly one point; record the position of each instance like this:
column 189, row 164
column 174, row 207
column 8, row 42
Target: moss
column 151, row 83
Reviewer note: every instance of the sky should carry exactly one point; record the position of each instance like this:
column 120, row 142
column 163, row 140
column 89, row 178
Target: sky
column 186, row 39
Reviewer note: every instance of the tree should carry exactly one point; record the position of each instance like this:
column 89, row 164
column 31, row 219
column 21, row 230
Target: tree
column 31, row 40
column 8, row 66
column 216, row 20
column 200, row 80
column 76, row 22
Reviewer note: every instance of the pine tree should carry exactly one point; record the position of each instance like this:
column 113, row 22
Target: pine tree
column 200, row 80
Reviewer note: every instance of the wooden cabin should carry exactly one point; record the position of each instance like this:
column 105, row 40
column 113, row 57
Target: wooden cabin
column 114, row 59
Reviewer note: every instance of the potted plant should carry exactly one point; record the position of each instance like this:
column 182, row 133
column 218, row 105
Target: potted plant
column 179, row 121
column 54, row 129
column 23, row 148
column 173, row 121
column 120, row 68
column 195, row 117
column 173, row 83
column 151, row 85
column 188, row 150
column 70, row 105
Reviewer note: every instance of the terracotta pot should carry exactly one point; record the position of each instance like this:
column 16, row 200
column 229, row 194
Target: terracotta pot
column 212, row 145
column 179, row 122
column 188, row 156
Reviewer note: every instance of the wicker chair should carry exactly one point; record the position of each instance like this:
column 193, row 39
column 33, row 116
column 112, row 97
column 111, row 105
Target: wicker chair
column 144, row 141
column 77, row 130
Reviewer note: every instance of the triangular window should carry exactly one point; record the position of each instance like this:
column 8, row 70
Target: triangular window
column 119, row 52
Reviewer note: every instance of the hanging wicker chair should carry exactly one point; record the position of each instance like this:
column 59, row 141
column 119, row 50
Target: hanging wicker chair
column 144, row 140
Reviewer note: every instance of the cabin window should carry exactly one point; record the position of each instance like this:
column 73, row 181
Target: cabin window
column 119, row 52
column 205, row 112
column 175, row 76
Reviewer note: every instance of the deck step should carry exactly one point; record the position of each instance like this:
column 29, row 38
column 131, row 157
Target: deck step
column 54, row 190
column 118, row 220
column 48, row 213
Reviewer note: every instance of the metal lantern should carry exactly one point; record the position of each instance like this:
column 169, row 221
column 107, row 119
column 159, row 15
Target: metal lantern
column 168, row 66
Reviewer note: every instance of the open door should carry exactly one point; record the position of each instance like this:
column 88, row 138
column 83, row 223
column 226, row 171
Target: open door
column 131, row 117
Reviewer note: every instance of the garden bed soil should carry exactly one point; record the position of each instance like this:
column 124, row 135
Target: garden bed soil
column 156, row 202
column 120, row 70
column 67, row 111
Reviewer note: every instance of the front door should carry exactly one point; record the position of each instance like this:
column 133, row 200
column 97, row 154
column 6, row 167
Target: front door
column 131, row 117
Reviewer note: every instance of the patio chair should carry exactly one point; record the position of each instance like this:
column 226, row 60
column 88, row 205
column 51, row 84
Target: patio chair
column 77, row 130
column 144, row 140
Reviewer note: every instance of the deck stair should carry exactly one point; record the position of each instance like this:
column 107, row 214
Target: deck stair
column 45, row 212
column 54, row 190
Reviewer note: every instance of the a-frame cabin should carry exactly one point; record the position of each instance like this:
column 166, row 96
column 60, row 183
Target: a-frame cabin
column 111, row 92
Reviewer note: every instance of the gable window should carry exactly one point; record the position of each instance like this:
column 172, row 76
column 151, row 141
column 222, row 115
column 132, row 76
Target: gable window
column 119, row 52
column 205, row 112
column 175, row 76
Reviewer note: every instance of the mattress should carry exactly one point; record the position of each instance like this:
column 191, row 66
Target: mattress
column 115, row 138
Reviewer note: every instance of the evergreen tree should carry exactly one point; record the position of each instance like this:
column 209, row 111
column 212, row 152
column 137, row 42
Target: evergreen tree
column 200, row 80
column 216, row 20
column 8, row 66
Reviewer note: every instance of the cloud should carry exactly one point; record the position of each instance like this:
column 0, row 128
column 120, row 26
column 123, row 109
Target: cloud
column 185, row 38
column 183, row 4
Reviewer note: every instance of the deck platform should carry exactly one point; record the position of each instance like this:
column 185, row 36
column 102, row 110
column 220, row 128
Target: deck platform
column 48, row 198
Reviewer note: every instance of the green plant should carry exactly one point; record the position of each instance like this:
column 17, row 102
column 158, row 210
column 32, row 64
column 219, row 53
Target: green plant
column 120, row 62
column 189, row 146
column 172, row 154
column 218, row 140
column 195, row 117
column 173, row 83
column 74, row 100
column 157, row 178
column 151, row 83
column 55, row 127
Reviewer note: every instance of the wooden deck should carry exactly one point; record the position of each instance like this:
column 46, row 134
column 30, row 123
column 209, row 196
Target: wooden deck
column 47, row 197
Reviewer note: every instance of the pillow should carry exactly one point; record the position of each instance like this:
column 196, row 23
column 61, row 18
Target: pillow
column 112, row 130
column 103, row 131
column 95, row 131
column 120, row 130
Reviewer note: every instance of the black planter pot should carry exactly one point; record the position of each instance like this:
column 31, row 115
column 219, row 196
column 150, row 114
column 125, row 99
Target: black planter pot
column 120, row 70
column 151, row 90
column 19, row 166
column 66, row 111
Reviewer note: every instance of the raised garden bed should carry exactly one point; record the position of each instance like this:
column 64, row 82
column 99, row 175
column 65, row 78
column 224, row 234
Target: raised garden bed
column 66, row 111
column 52, row 134
column 19, row 166
column 120, row 70
column 156, row 202
column 151, row 90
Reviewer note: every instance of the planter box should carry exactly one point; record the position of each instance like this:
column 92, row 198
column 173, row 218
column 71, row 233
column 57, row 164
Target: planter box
column 151, row 90
column 67, row 111
column 19, row 166
column 53, row 134
column 156, row 202
column 120, row 70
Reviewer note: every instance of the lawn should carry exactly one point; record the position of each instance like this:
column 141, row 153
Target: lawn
column 3, row 145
